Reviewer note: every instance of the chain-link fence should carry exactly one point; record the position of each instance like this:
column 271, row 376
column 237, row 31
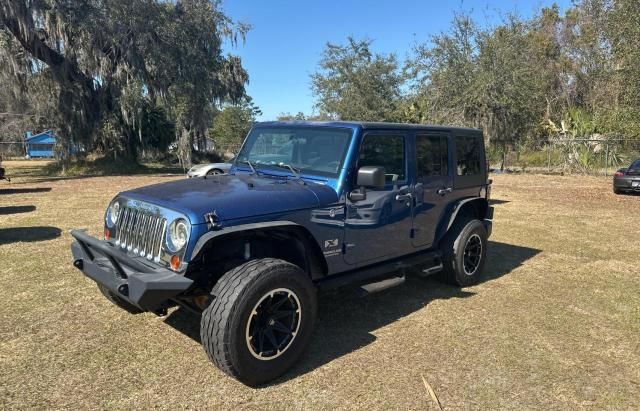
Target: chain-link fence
column 580, row 156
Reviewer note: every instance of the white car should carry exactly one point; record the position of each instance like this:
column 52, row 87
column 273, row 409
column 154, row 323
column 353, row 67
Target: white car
column 201, row 170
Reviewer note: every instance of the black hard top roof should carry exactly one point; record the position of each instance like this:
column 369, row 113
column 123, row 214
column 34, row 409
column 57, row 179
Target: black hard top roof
column 367, row 125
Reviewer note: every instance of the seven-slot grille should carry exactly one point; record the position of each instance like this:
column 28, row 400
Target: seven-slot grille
column 140, row 232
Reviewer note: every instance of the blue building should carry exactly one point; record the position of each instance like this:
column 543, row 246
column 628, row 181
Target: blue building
column 40, row 145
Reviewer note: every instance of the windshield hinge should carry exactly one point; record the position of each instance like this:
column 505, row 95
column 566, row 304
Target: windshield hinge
column 213, row 221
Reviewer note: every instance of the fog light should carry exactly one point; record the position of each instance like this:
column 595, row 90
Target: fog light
column 107, row 234
column 175, row 262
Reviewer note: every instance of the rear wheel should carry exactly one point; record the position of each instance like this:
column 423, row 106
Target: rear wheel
column 464, row 250
column 115, row 299
column 616, row 191
column 260, row 320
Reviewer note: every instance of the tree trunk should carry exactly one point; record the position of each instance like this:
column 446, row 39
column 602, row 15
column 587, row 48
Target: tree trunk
column 185, row 148
column 504, row 155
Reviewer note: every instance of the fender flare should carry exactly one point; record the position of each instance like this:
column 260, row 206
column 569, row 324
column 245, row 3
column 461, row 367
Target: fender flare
column 453, row 213
column 210, row 235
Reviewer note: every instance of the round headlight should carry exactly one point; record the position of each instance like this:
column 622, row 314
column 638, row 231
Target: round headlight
column 178, row 235
column 112, row 213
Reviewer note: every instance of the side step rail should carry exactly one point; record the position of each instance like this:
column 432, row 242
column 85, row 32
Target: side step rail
column 431, row 270
column 380, row 272
column 376, row 287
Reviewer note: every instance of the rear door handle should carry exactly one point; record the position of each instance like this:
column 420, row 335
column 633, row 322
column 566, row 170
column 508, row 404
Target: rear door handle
column 444, row 191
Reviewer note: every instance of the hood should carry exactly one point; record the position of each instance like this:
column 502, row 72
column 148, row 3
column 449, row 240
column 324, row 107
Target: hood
column 234, row 196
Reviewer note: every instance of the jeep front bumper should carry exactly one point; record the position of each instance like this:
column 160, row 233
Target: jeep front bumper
column 133, row 279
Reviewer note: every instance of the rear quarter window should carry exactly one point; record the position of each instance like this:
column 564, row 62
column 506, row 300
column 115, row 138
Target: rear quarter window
column 469, row 162
column 468, row 155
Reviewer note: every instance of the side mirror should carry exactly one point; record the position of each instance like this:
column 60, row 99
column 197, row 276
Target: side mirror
column 371, row 177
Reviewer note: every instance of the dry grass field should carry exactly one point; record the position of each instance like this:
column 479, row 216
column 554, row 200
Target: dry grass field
column 555, row 325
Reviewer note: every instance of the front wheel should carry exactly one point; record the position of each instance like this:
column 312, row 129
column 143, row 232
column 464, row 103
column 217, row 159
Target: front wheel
column 260, row 320
column 214, row 172
column 464, row 251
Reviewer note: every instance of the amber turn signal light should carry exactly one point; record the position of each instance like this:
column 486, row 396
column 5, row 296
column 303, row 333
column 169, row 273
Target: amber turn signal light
column 175, row 262
column 107, row 234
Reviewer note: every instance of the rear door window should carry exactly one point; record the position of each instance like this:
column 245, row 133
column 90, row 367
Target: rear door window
column 432, row 156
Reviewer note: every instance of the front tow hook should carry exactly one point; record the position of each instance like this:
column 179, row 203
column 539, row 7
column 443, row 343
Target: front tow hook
column 124, row 289
column 78, row 263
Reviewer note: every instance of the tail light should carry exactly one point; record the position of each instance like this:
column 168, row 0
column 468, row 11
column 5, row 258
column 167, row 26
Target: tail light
column 619, row 174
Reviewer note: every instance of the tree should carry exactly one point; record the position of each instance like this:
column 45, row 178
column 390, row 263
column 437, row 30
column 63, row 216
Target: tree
column 299, row 116
column 353, row 83
column 442, row 72
column 623, row 29
column 509, row 95
column 108, row 62
column 232, row 124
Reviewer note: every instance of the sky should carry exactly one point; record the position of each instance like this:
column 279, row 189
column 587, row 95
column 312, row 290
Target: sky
column 287, row 37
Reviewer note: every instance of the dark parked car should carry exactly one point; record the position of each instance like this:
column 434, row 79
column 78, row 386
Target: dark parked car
column 306, row 206
column 627, row 180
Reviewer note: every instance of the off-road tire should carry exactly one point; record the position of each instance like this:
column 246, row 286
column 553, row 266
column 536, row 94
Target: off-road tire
column 453, row 247
column 224, row 323
column 116, row 300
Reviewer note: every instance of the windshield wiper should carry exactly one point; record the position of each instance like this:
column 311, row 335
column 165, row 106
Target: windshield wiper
column 253, row 169
column 294, row 171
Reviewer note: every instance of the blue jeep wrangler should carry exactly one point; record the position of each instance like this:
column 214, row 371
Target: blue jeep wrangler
column 306, row 206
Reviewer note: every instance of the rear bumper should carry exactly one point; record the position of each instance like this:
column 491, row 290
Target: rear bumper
column 135, row 280
column 627, row 183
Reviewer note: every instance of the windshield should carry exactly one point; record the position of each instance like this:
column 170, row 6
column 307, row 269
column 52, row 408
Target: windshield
column 311, row 150
column 635, row 165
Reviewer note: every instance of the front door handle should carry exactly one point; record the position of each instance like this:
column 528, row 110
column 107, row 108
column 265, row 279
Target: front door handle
column 444, row 191
column 404, row 197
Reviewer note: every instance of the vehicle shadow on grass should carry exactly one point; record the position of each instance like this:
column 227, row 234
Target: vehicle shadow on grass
column 27, row 190
column 41, row 175
column 345, row 322
column 28, row 234
column 159, row 172
column 630, row 194
column 16, row 209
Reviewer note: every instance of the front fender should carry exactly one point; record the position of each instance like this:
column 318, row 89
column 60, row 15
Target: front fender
column 210, row 235
column 316, row 260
